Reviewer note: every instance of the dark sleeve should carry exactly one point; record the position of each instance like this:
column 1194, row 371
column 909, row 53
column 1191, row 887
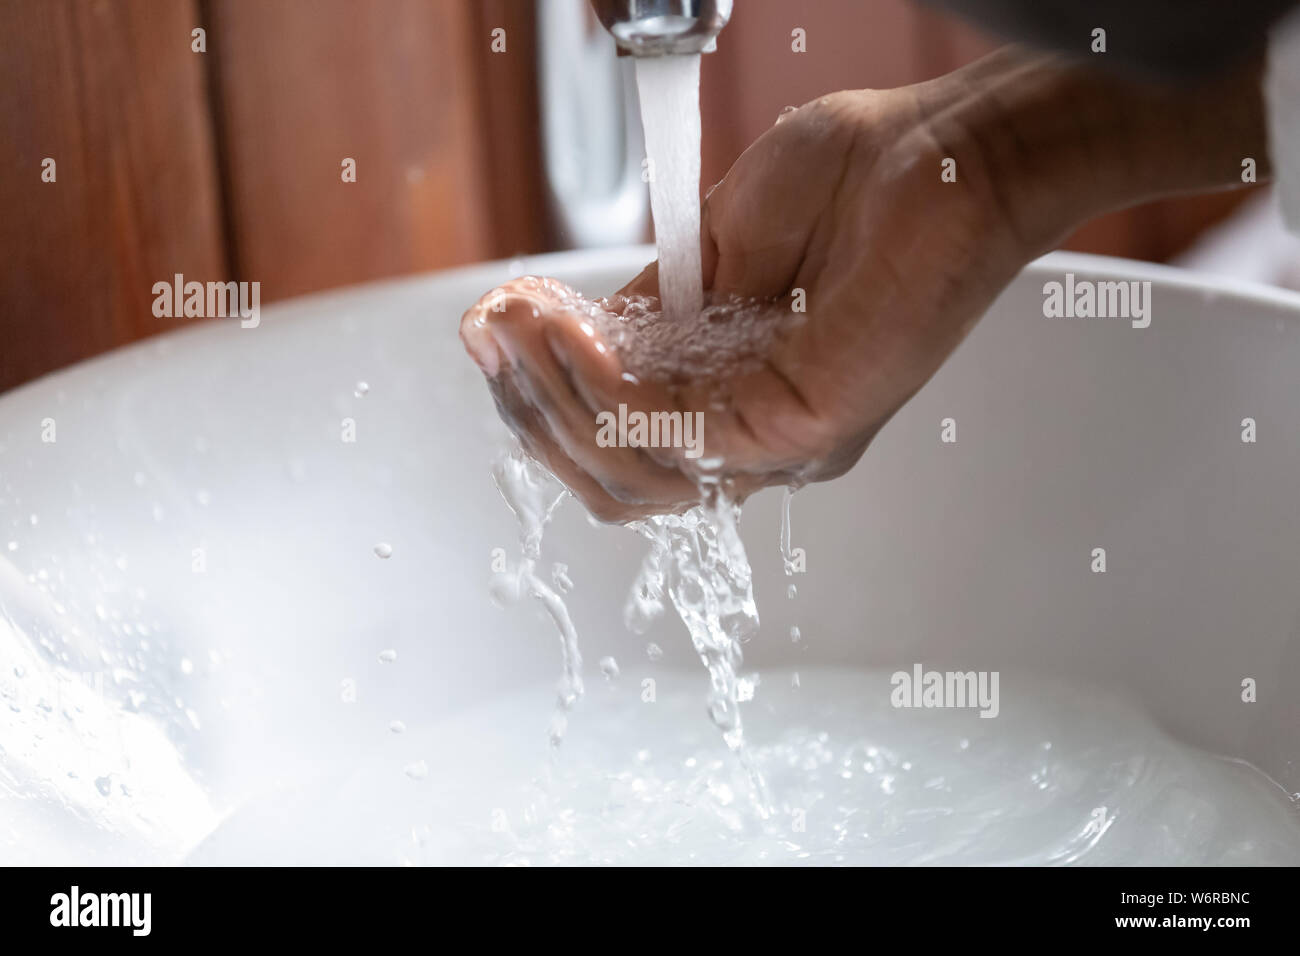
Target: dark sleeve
column 1173, row 39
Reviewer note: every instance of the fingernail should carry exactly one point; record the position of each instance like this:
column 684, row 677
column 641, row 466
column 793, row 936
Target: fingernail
column 481, row 344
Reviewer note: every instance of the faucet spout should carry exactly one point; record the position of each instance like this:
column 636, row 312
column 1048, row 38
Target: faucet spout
column 662, row 27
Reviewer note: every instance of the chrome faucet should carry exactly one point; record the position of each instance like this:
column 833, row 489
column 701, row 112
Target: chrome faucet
column 659, row 27
column 592, row 145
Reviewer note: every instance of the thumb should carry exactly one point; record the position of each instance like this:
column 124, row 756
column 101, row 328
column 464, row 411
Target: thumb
column 647, row 281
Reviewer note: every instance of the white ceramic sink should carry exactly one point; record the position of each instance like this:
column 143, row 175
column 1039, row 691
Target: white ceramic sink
column 190, row 598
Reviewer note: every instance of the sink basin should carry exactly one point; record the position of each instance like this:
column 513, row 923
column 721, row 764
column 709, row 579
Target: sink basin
column 198, row 631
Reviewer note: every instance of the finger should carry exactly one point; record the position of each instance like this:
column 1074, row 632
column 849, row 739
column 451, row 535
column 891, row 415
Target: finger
column 531, row 428
column 516, row 324
column 516, row 307
column 627, row 473
column 476, row 336
column 606, row 388
column 646, row 283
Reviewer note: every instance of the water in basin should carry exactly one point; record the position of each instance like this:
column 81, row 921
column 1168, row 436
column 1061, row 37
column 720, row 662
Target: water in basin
column 1062, row 776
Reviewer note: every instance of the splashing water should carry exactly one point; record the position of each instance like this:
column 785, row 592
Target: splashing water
column 789, row 562
column 727, row 336
column 787, row 554
column 698, row 561
column 669, row 88
column 533, row 496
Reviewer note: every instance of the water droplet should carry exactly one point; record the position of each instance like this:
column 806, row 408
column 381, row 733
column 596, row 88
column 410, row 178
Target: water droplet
column 203, row 497
column 13, row 545
column 104, row 785
column 794, row 680
column 417, row 770
column 785, row 111
column 187, row 666
column 361, row 390
column 721, row 792
column 388, row 656
column 792, row 592
column 34, row 519
column 397, row 727
column 795, row 635
column 654, row 651
column 560, row 576
column 609, row 667
column 722, row 712
column 384, row 550
column 139, row 479
column 745, row 687
column 559, row 724
column 158, row 513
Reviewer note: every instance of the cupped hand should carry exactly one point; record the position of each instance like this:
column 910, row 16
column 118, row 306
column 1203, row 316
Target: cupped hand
column 842, row 209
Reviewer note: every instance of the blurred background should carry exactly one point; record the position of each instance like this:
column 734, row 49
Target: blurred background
column 225, row 164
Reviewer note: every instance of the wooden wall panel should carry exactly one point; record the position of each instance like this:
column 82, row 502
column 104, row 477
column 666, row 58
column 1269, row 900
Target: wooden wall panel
column 851, row 45
column 112, row 92
column 510, row 116
column 226, row 165
column 389, row 83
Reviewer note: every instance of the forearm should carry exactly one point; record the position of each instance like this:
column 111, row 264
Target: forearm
column 1055, row 143
column 1169, row 38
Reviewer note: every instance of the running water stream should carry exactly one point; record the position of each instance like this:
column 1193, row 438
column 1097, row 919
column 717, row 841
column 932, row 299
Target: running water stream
column 669, row 89
column 697, row 561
